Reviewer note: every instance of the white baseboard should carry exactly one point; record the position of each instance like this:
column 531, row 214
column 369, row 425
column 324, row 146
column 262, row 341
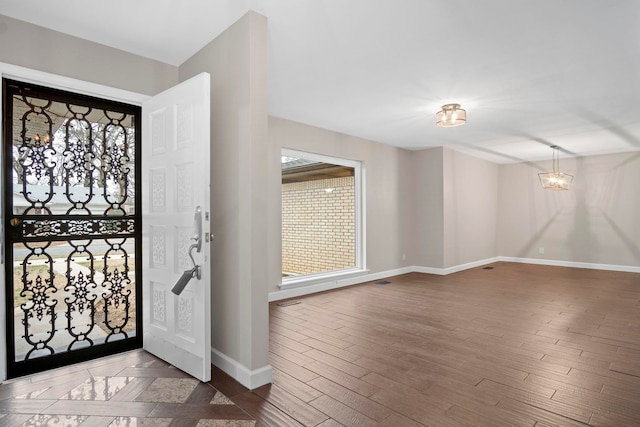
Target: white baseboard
column 592, row 266
column 335, row 284
column 248, row 378
column 456, row 268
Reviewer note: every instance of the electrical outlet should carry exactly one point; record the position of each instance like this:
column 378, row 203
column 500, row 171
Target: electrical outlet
column 540, row 250
column 404, row 257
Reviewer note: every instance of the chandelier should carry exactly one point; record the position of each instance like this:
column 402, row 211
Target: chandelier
column 451, row 115
column 555, row 180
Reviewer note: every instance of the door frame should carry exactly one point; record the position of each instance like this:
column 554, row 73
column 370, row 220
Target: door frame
column 55, row 81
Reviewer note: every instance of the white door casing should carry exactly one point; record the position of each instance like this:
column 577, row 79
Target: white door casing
column 175, row 182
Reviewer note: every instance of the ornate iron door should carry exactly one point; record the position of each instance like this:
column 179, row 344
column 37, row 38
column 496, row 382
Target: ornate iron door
column 72, row 218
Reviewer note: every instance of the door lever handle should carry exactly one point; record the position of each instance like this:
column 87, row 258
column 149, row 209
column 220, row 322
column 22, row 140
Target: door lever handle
column 196, row 268
column 197, row 222
column 196, row 272
column 187, row 275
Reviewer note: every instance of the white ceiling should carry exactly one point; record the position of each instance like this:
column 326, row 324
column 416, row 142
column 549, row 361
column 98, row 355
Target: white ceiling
column 529, row 73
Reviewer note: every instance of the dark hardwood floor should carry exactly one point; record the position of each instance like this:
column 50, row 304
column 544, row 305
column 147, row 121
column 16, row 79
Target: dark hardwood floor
column 511, row 345
column 514, row 345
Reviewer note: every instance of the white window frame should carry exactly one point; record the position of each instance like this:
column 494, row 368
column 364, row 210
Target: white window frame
column 359, row 269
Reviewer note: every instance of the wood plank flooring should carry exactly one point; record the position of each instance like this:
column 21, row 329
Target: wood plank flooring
column 513, row 345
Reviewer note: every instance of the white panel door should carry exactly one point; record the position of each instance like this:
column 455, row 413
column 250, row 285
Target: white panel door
column 175, row 178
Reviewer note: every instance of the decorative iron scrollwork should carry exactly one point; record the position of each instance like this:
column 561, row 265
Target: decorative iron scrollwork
column 39, row 308
column 36, row 155
column 117, row 298
column 74, row 226
column 81, row 301
column 79, row 159
column 77, row 227
column 72, row 159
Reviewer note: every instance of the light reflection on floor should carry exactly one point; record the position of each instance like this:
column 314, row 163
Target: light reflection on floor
column 133, row 389
column 98, row 388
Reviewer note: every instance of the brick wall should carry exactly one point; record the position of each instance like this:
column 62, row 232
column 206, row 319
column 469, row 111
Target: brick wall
column 318, row 227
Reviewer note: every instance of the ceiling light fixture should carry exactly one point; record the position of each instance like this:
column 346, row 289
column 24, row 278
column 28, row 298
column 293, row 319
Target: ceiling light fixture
column 451, row 115
column 555, row 180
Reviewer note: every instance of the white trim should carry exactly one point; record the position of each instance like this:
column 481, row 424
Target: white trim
column 56, row 81
column 456, row 268
column 335, row 284
column 361, row 216
column 236, row 370
column 589, row 265
column 311, row 279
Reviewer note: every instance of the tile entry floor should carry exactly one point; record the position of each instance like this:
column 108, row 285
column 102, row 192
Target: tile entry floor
column 132, row 389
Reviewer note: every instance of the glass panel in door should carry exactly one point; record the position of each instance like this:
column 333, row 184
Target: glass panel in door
column 72, row 221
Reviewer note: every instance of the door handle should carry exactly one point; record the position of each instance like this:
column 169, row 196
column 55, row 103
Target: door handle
column 196, row 272
column 197, row 222
column 187, row 275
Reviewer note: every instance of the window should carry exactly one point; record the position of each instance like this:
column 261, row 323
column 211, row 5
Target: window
column 321, row 218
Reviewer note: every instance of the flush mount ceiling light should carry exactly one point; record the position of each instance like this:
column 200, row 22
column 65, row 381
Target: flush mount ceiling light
column 555, row 180
column 451, row 115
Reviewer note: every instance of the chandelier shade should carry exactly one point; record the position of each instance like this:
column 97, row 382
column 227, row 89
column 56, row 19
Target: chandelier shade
column 555, row 180
column 451, row 115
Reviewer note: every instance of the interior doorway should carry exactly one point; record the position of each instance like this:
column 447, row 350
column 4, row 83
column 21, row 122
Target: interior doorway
column 72, row 220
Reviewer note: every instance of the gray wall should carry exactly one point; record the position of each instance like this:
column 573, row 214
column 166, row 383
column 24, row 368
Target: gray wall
column 427, row 168
column 38, row 48
column 597, row 221
column 470, row 208
column 455, row 199
column 237, row 62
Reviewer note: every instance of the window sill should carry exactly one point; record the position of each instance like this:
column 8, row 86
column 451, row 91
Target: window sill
column 313, row 279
